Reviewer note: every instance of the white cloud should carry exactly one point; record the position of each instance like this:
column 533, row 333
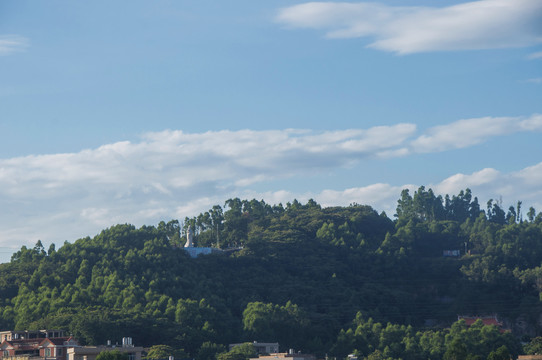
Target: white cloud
column 12, row 43
column 485, row 24
column 532, row 123
column 469, row 132
column 489, row 183
column 380, row 196
column 536, row 55
column 173, row 161
column 458, row 182
column 534, row 80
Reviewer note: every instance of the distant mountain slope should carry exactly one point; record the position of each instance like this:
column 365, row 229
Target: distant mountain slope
column 304, row 273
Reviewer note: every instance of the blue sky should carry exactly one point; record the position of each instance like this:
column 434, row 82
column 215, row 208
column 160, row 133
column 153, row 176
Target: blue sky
column 114, row 112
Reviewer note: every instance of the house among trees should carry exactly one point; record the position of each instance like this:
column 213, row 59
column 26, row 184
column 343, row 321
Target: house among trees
column 24, row 345
column 451, row 253
column 261, row 348
column 91, row 352
column 35, row 334
column 54, row 345
column 290, row 355
column 486, row 320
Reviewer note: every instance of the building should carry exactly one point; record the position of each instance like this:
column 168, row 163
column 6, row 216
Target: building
column 451, row 253
column 33, row 334
column 40, row 344
column 290, row 355
column 91, row 352
column 261, row 348
column 486, row 320
column 56, row 348
column 194, row 252
column 53, row 345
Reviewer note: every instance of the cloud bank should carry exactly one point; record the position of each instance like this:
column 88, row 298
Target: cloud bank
column 173, row 174
column 485, row 24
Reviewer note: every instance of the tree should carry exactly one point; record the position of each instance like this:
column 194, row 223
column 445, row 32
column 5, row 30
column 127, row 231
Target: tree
column 241, row 352
column 258, row 320
column 157, row 352
column 112, row 355
column 404, row 205
column 531, row 214
column 511, row 216
column 456, row 351
column 495, row 213
column 51, row 250
column 266, row 322
column 501, row 353
column 209, row 350
column 534, row 347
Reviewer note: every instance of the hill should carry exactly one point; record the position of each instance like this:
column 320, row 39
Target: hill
column 325, row 280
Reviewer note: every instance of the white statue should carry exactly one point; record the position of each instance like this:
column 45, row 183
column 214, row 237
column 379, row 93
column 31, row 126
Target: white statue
column 189, row 237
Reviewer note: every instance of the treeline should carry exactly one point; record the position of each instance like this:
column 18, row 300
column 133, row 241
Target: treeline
column 426, row 206
column 304, row 273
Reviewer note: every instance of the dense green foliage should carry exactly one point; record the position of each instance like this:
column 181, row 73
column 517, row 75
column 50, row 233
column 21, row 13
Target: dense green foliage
column 241, row 352
column 161, row 352
column 391, row 341
column 304, row 276
column 112, row 355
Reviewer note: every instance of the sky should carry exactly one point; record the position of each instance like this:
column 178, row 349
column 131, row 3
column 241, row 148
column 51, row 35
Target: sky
column 138, row 111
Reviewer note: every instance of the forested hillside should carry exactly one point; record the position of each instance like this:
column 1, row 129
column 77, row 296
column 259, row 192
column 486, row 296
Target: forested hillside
column 331, row 281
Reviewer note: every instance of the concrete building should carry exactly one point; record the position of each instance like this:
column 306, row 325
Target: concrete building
column 194, row 252
column 51, row 345
column 261, row 348
column 31, row 334
column 91, row 352
column 291, row 355
column 31, row 346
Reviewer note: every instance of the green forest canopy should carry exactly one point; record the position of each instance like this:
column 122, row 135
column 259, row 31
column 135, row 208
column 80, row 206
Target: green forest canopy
column 335, row 280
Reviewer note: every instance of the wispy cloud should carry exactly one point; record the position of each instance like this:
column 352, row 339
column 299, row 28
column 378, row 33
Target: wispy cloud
column 169, row 174
column 469, row 132
column 173, row 174
column 536, row 55
column 173, row 161
column 10, row 44
column 534, row 81
column 485, row 24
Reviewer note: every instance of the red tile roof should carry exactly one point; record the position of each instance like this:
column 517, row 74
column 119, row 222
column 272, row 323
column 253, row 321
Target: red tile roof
column 486, row 320
column 56, row 341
